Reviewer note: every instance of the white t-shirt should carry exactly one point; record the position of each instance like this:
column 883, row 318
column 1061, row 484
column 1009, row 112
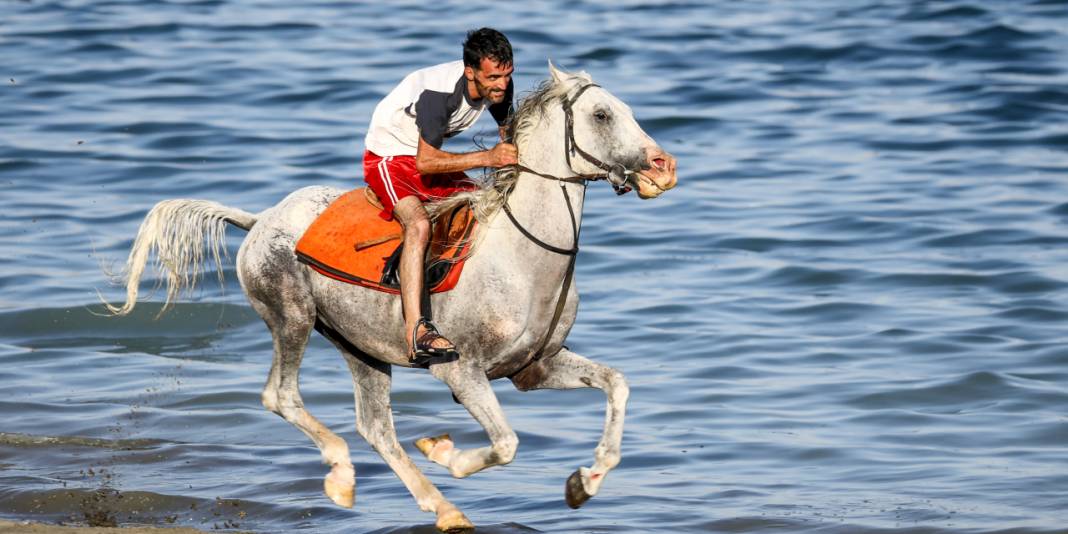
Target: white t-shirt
column 432, row 103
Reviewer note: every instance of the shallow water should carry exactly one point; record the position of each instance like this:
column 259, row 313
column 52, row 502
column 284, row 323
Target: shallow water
column 848, row 317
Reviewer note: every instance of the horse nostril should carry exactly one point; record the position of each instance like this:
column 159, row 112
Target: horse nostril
column 659, row 163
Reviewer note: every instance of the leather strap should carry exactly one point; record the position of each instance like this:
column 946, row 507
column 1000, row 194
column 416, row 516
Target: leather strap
column 569, row 275
column 560, row 302
column 526, row 233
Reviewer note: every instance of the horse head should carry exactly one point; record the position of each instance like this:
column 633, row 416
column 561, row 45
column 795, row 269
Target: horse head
column 602, row 136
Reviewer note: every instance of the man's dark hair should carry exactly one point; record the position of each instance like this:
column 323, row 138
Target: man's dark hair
column 486, row 43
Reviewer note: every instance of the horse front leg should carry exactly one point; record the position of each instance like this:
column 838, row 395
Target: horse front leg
column 472, row 389
column 567, row 370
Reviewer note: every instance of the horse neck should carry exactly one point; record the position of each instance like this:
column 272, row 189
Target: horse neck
column 536, row 202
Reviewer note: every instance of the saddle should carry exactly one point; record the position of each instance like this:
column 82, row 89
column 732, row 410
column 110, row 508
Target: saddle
column 349, row 242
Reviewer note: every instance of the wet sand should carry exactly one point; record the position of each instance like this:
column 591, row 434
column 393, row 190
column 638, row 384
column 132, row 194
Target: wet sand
column 15, row 527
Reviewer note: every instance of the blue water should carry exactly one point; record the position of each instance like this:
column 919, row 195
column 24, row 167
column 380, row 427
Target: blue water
column 849, row 316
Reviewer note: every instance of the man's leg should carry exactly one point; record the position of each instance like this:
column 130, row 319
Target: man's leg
column 412, row 216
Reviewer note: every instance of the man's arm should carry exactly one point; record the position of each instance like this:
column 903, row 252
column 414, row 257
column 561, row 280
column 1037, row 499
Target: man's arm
column 430, row 160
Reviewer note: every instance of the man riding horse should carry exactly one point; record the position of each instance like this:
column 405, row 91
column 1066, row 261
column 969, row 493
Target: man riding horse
column 405, row 166
column 514, row 305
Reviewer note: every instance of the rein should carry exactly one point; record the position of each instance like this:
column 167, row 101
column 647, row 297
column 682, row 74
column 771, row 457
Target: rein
column 570, row 148
column 572, row 254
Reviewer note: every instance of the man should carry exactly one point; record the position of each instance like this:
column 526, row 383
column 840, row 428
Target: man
column 405, row 166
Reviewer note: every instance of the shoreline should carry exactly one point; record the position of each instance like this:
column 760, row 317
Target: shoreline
column 32, row 527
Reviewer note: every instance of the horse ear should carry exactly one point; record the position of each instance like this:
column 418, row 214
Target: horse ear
column 559, row 76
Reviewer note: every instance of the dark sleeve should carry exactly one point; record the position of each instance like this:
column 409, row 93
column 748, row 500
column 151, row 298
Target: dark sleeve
column 503, row 111
column 432, row 117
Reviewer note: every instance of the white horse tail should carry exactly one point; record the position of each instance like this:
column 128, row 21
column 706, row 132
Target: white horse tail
column 181, row 231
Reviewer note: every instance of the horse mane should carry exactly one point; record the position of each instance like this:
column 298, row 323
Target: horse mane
column 494, row 185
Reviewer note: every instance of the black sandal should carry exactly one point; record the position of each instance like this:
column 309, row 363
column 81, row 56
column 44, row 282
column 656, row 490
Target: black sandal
column 423, row 349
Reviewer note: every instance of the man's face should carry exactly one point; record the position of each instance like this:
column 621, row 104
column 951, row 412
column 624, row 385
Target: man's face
column 490, row 79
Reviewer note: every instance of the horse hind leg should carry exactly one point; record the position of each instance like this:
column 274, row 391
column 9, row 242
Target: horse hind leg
column 374, row 421
column 567, row 370
column 291, row 323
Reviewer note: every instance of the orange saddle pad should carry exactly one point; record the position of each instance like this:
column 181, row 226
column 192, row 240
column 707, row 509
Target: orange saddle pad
column 351, row 243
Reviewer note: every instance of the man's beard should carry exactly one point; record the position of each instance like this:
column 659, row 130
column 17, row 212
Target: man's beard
column 490, row 94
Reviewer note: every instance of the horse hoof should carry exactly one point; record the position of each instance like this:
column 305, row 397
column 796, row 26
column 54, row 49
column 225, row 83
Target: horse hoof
column 437, row 449
column 340, row 486
column 452, row 520
column 574, row 493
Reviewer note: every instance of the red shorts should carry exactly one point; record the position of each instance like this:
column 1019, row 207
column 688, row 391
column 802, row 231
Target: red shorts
column 395, row 177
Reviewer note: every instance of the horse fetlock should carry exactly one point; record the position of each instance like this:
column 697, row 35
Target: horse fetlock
column 428, row 503
column 606, row 458
column 344, row 471
column 334, row 449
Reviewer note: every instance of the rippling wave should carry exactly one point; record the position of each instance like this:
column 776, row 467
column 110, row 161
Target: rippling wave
column 848, row 317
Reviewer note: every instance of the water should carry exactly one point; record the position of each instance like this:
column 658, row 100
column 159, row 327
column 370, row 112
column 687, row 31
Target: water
column 848, row 317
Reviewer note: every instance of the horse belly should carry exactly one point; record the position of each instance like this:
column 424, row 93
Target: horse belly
column 368, row 319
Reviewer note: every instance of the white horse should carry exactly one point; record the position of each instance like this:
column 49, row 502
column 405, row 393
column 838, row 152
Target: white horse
column 508, row 315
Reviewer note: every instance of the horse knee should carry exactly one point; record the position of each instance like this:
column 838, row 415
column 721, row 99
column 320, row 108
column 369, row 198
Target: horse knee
column 504, row 449
column 607, row 457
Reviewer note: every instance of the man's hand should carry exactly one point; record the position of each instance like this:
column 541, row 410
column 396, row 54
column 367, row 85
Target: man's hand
column 430, row 160
column 502, row 155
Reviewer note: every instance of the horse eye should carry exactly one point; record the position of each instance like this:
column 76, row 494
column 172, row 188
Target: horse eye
column 600, row 116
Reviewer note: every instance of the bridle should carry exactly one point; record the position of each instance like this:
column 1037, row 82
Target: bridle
column 571, row 148
column 617, row 175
